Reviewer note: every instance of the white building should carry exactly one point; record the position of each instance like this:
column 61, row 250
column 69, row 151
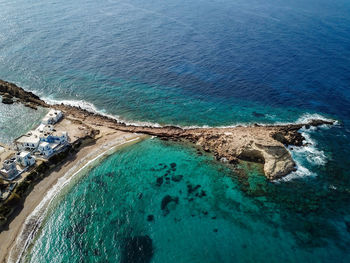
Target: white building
column 52, row 117
column 42, row 128
column 56, row 137
column 9, row 170
column 45, row 149
column 30, row 141
column 25, row 159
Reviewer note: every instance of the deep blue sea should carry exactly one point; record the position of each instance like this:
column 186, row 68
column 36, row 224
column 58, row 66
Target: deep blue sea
column 190, row 63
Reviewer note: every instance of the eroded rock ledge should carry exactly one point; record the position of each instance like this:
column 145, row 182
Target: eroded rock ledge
column 260, row 144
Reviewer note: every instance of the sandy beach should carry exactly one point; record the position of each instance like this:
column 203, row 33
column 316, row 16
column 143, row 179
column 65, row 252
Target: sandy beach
column 107, row 143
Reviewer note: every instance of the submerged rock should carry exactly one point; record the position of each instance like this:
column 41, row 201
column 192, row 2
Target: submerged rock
column 69, row 233
column 166, row 200
column 258, row 114
column 159, row 181
column 191, row 189
column 97, row 252
column 173, row 167
column 138, row 249
column 177, row 178
column 161, row 166
column 202, row 193
column 110, row 174
column 347, row 223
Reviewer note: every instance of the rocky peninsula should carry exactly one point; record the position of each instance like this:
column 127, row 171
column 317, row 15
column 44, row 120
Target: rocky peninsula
column 93, row 134
column 266, row 145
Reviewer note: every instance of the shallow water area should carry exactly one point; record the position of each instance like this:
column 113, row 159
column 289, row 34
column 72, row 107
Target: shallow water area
column 199, row 211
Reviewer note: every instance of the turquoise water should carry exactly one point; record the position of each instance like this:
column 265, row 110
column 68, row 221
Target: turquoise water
column 230, row 222
column 191, row 63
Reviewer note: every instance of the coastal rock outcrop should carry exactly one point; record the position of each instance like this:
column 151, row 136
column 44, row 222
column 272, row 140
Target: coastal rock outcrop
column 10, row 89
column 7, row 99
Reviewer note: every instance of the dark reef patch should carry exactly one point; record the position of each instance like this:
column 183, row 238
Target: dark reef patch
column 110, row 174
column 159, row 181
column 138, row 249
column 191, row 188
column 258, row 114
column 165, row 202
column 177, row 178
column 161, row 166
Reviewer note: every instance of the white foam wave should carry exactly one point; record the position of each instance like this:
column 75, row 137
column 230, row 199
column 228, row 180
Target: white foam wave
column 90, row 107
column 310, row 150
column 307, row 155
column 305, row 118
column 300, row 172
column 35, row 219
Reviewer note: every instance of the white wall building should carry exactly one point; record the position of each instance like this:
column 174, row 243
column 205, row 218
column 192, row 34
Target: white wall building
column 43, row 128
column 29, row 141
column 52, row 117
column 9, row 170
column 56, row 137
column 45, row 149
column 25, row 159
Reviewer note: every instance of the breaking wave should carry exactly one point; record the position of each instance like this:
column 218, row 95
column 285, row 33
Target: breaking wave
column 305, row 156
column 305, row 118
column 90, row 107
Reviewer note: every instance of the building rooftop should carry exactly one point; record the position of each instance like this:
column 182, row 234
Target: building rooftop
column 44, row 144
column 9, row 161
column 51, row 114
column 23, row 154
column 43, row 128
column 29, row 137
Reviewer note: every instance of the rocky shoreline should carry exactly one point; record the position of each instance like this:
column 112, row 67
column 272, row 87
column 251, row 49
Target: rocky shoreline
column 266, row 145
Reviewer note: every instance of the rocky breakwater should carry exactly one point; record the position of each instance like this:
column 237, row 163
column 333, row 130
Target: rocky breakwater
column 266, row 145
column 260, row 144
